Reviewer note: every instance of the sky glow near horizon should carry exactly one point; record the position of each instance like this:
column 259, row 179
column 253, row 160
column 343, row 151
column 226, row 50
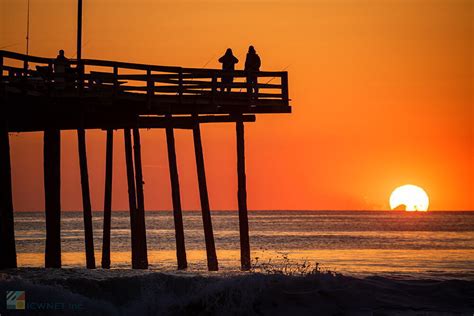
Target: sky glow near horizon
column 382, row 95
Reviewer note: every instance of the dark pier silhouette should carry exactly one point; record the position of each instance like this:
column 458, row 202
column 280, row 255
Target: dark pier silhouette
column 110, row 95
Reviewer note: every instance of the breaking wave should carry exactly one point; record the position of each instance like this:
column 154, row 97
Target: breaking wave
column 128, row 292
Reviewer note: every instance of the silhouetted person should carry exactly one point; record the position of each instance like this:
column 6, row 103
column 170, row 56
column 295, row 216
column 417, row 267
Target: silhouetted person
column 62, row 69
column 252, row 66
column 228, row 62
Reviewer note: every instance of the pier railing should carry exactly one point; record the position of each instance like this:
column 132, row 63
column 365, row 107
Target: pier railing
column 176, row 85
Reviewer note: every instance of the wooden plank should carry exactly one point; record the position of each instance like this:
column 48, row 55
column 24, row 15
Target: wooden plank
column 102, row 75
column 23, row 57
column 13, row 69
column 140, row 216
column 107, row 200
column 126, row 65
column 234, row 85
column 133, row 88
column 132, row 199
column 242, row 199
column 226, row 95
column 236, row 73
column 7, row 234
column 39, row 123
column 177, row 212
column 212, row 263
column 52, row 191
column 150, row 92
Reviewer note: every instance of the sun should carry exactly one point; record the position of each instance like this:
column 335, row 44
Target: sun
column 411, row 196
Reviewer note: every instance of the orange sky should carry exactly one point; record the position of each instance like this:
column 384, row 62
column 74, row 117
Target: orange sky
column 382, row 95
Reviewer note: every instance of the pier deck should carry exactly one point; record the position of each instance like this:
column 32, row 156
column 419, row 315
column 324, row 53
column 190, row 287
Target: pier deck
column 103, row 94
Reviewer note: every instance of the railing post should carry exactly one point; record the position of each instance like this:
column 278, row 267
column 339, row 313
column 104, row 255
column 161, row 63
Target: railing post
column 116, row 85
column 2, row 84
column 80, row 76
column 214, row 87
column 50, row 78
column 1, row 74
column 284, row 88
column 25, row 66
column 24, row 78
column 150, row 88
column 249, row 87
column 180, row 85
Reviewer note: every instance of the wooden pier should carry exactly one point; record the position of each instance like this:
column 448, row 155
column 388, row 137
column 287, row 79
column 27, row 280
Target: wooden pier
column 110, row 95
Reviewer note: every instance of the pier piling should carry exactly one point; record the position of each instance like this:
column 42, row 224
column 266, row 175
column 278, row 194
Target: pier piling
column 7, row 236
column 140, row 215
column 52, row 192
column 132, row 199
column 86, row 199
column 242, row 199
column 212, row 263
column 107, row 199
column 177, row 212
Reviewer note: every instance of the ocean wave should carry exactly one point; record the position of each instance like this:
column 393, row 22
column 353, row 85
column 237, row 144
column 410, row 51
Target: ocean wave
column 126, row 292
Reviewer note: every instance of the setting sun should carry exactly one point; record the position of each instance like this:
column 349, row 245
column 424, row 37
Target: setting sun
column 411, row 196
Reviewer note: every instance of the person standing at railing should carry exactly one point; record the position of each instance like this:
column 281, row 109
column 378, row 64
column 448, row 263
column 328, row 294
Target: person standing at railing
column 62, row 69
column 252, row 66
column 228, row 62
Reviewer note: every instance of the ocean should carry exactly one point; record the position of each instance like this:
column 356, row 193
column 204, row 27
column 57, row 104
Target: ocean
column 395, row 244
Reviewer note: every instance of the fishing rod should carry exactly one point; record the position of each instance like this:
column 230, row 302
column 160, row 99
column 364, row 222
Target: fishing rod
column 28, row 29
column 207, row 63
column 203, row 66
column 83, row 46
column 271, row 79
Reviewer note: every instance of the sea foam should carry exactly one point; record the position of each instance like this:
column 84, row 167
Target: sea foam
column 128, row 292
